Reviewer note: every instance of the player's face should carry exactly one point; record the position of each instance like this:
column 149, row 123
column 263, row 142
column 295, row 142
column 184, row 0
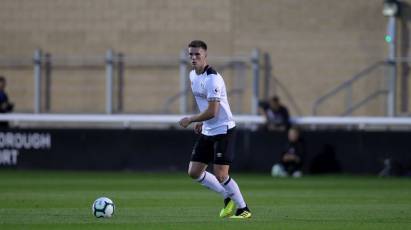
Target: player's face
column 274, row 104
column 293, row 135
column 197, row 57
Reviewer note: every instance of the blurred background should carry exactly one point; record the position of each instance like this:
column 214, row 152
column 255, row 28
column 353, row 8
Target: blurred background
column 99, row 84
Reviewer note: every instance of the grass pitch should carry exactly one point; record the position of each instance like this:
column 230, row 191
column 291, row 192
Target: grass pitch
column 62, row 200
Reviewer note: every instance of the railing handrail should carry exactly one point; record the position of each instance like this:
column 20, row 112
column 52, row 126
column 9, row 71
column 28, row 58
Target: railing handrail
column 345, row 84
column 170, row 119
column 370, row 97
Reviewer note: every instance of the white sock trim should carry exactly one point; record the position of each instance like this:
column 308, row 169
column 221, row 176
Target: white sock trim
column 226, row 181
column 201, row 177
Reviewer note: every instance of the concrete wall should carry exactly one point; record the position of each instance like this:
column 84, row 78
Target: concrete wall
column 314, row 45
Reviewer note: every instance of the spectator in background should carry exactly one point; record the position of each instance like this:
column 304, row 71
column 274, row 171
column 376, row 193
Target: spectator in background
column 5, row 105
column 292, row 158
column 276, row 114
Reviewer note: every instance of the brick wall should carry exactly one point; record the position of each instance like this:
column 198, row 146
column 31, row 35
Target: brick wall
column 314, row 45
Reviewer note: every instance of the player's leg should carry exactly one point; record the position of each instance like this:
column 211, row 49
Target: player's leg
column 229, row 205
column 233, row 190
column 202, row 154
column 197, row 171
column 222, row 160
column 295, row 169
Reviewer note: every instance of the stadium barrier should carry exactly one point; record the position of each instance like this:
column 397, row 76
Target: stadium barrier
column 328, row 151
column 85, row 147
column 127, row 120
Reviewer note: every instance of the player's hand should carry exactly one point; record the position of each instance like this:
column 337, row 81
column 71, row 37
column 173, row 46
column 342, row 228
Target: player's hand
column 291, row 157
column 198, row 128
column 185, row 122
column 287, row 157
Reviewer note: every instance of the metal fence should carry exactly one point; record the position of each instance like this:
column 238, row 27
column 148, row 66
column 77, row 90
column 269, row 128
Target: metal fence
column 350, row 96
column 122, row 83
column 374, row 85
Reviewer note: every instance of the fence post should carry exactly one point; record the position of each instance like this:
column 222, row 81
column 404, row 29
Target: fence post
column 109, row 81
column 392, row 66
column 255, row 60
column 47, row 73
column 267, row 76
column 37, row 58
column 183, row 81
column 120, row 73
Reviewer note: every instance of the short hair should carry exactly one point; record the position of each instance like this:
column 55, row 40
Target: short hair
column 198, row 44
column 275, row 98
column 2, row 78
column 295, row 128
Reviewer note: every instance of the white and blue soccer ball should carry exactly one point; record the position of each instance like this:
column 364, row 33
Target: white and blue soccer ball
column 103, row 207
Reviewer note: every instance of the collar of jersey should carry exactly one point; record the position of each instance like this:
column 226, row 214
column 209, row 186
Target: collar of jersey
column 205, row 70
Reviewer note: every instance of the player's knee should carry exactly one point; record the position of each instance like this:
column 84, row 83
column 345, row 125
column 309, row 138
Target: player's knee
column 221, row 177
column 194, row 174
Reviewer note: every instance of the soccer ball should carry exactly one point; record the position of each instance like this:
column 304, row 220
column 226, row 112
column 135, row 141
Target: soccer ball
column 103, row 207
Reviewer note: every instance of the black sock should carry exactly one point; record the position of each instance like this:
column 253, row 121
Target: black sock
column 226, row 200
column 240, row 210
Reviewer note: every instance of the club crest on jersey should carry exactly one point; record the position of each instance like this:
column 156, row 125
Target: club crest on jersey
column 216, row 90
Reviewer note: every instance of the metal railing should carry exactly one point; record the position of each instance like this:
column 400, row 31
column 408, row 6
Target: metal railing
column 347, row 86
column 113, row 64
column 167, row 121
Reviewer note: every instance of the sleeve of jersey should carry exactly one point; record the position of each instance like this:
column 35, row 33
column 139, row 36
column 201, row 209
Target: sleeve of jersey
column 214, row 88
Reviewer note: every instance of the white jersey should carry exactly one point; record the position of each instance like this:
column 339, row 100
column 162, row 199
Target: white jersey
column 210, row 86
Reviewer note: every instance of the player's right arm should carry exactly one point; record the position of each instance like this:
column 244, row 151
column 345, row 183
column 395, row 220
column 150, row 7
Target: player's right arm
column 214, row 89
column 209, row 113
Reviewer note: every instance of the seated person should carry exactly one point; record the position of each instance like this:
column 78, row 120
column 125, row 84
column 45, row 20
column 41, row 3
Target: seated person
column 292, row 158
column 5, row 105
column 276, row 114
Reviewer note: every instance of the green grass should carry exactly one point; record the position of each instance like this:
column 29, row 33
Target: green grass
column 62, row 200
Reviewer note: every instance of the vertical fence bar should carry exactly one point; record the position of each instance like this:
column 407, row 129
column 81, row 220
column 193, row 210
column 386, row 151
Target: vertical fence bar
column 47, row 73
column 236, row 93
column 392, row 78
column 37, row 80
column 183, row 81
column 255, row 60
column 392, row 85
column 348, row 99
column 109, row 81
column 120, row 73
column 267, row 76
